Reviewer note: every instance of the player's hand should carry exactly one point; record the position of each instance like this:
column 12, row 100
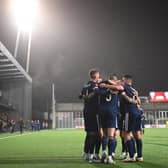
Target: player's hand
column 123, row 93
column 120, row 87
column 102, row 85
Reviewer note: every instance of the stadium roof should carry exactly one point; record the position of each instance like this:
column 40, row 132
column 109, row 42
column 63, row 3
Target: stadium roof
column 10, row 69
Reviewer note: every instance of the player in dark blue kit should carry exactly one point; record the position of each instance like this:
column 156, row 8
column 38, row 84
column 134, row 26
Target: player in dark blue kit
column 132, row 121
column 108, row 108
column 93, row 139
column 113, row 82
column 113, row 79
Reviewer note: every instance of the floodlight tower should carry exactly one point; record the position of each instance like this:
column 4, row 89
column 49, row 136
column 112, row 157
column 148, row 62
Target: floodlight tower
column 25, row 14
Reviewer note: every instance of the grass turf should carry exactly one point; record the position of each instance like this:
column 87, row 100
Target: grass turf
column 63, row 149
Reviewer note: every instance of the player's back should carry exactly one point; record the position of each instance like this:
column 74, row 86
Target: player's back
column 107, row 99
column 131, row 107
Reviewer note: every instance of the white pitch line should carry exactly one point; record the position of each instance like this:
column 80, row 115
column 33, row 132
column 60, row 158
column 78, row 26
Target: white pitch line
column 12, row 136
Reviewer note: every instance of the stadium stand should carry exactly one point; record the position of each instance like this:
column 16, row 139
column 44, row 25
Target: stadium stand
column 15, row 88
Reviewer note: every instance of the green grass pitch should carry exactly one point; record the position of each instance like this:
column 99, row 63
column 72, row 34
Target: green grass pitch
column 63, row 149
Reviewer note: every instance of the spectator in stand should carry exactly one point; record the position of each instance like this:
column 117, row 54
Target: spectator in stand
column 38, row 125
column 12, row 126
column 35, row 125
column 21, row 125
column 43, row 124
column 46, row 125
column 32, row 125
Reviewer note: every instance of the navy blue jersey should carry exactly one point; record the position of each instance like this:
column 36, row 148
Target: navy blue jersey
column 90, row 110
column 108, row 107
column 132, row 108
column 91, row 103
column 106, row 98
column 130, row 91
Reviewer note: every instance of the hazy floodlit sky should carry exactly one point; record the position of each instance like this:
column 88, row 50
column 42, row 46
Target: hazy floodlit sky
column 72, row 36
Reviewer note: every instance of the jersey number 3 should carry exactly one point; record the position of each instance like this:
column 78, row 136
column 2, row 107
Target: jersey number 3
column 108, row 98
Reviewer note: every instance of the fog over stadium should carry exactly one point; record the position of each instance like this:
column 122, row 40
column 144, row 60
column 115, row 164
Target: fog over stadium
column 72, row 36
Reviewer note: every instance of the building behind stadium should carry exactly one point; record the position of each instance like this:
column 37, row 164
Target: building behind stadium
column 70, row 115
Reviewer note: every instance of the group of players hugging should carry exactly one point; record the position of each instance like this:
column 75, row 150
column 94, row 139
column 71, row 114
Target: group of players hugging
column 111, row 108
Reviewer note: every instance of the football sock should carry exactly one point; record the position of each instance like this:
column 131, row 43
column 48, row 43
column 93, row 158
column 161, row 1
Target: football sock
column 111, row 145
column 86, row 144
column 130, row 147
column 139, row 147
column 97, row 144
column 133, row 143
column 104, row 143
column 91, row 143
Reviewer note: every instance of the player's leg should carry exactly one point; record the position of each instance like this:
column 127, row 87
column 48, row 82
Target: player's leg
column 97, row 140
column 111, row 129
column 86, row 142
column 124, row 151
column 97, row 147
column 138, row 137
column 104, row 141
column 103, row 133
column 93, row 127
column 129, row 145
column 128, row 138
column 86, row 147
column 87, row 139
column 139, row 144
column 92, row 136
column 116, row 134
column 123, row 146
column 133, row 142
column 111, row 144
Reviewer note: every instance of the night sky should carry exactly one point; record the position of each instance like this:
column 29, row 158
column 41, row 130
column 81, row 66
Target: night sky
column 72, row 36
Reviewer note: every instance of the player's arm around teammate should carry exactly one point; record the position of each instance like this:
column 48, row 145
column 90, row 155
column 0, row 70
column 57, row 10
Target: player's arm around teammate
column 132, row 122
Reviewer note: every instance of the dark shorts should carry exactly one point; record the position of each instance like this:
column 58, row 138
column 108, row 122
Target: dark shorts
column 120, row 121
column 108, row 118
column 91, row 121
column 132, row 123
